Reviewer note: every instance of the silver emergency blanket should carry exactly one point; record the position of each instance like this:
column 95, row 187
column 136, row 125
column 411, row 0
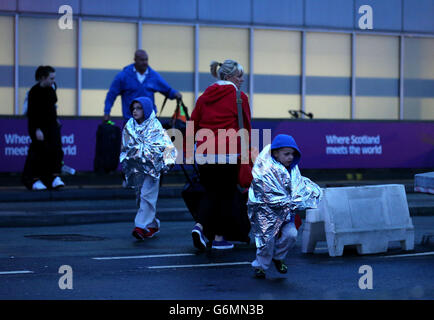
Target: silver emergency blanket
column 274, row 195
column 146, row 150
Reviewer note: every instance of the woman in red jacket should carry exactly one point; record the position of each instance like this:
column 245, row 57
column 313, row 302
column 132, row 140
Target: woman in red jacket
column 217, row 150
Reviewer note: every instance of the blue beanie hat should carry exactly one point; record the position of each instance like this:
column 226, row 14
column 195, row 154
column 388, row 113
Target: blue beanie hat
column 146, row 104
column 284, row 140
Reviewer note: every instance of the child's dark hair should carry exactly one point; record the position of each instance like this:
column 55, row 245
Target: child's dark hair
column 43, row 72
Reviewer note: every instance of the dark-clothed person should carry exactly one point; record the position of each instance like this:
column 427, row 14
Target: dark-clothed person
column 44, row 159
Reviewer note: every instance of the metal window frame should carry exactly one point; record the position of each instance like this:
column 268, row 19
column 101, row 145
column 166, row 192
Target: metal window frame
column 139, row 35
column 401, row 76
column 353, row 75
column 251, row 72
column 196, row 62
column 79, row 65
column 303, row 73
column 16, row 66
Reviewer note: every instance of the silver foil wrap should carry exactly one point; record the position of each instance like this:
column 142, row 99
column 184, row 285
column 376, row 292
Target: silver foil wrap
column 274, row 195
column 146, row 150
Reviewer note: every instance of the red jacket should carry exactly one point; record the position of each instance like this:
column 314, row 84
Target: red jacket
column 217, row 109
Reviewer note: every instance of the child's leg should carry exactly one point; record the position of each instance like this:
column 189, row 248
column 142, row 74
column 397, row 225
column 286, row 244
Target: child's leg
column 264, row 255
column 287, row 238
column 145, row 217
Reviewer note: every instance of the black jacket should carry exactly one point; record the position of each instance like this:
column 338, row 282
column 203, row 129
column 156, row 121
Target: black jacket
column 42, row 112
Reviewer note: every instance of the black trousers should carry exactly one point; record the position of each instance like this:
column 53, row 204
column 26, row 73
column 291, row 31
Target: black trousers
column 222, row 210
column 44, row 159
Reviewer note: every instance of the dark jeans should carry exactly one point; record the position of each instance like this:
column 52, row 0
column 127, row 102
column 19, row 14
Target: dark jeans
column 220, row 183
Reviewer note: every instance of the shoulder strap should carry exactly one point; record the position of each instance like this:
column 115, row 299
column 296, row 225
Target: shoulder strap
column 178, row 104
column 162, row 107
column 185, row 109
column 240, row 110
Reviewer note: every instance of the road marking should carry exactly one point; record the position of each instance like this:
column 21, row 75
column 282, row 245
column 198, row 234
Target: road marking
column 15, row 272
column 200, row 265
column 148, row 256
column 126, row 211
column 411, row 255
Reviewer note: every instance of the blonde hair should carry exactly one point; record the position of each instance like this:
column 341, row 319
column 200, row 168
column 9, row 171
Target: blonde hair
column 226, row 69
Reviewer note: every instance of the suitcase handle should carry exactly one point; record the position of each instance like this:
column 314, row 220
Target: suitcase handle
column 186, row 173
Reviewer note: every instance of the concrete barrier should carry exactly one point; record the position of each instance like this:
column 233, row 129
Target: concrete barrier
column 368, row 217
column 424, row 182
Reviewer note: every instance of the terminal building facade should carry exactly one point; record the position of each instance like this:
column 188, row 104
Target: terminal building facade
column 336, row 59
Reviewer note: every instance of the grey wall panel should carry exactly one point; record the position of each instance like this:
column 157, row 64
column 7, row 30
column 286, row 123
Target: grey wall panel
column 98, row 78
column 124, row 8
column 419, row 15
column 169, row 9
column 330, row 86
column 238, row 11
column 6, row 76
column 47, row 6
column 330, row 13
column 277, row 84
column 206, row 79
column 377, row 87
column 387, row 14
column 422, row 88
column 65, row 77
column 278, row 12
column 8, row 5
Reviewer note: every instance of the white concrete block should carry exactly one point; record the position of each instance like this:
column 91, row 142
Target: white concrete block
column 368, row 217
column 424, row 182
column 313, row 232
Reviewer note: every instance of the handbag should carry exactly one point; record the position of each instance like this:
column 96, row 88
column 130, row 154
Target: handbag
column 179, row 118
column 244, row 169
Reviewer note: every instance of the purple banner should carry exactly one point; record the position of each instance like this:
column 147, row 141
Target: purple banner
column 325, row 144
column 78, row 142
column 359, row 144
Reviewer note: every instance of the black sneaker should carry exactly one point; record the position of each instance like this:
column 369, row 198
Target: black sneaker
column 280, row 266
column 222, row 245
column 198, row 238
column 259, row 273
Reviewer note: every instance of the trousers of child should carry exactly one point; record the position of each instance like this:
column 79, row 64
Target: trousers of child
column 147, row 196
column 277, row 247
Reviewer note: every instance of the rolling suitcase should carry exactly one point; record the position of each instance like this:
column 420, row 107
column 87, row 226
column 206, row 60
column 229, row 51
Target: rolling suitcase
column 108, row 147
column 193, row 192
column 238, row 223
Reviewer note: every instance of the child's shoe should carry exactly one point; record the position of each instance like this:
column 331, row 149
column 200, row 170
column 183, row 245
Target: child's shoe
column 142, row 234
column 198, row 238
column 139, row 233
column 259, row 273
column 38, row 185
column 152, row 232
column 222, row 245
column 280, row 266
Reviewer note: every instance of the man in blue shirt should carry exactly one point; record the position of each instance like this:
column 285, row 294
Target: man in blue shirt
column 137, row 80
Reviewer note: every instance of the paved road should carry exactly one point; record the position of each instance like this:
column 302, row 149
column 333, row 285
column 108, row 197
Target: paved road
column 107, row 263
